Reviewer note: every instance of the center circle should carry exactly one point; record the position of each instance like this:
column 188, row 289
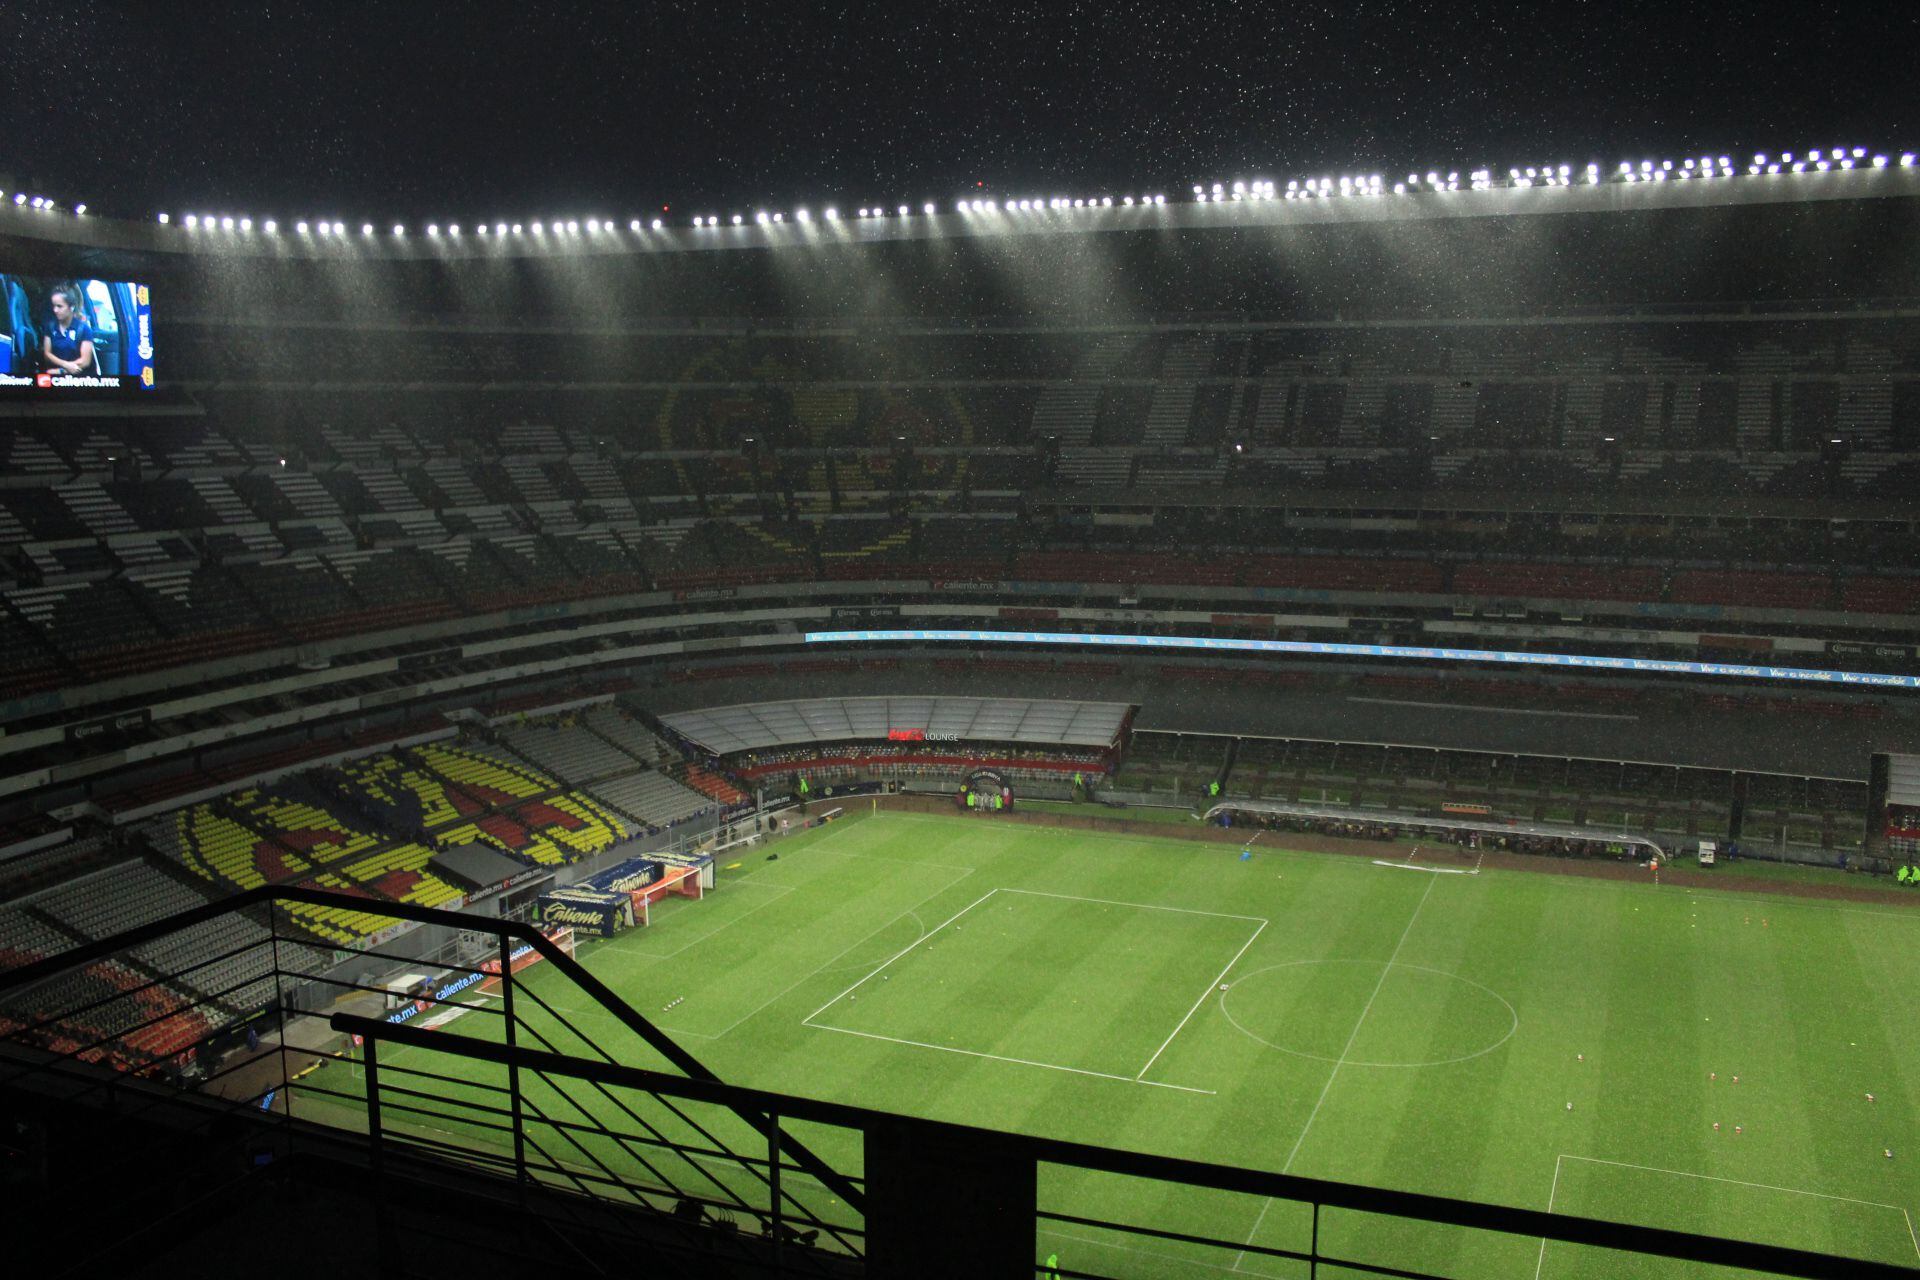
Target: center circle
column 1363, row 1013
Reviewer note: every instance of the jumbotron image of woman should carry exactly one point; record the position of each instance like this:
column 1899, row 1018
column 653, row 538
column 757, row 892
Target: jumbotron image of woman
column 68, row 342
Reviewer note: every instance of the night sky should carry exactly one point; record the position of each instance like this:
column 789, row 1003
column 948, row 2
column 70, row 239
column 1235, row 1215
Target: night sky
column 440, row 110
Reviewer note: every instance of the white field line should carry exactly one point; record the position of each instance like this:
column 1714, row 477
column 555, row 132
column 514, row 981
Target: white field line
column 1168, row 843
column 1432, row 871
column 1905, row 1216
column 1779, row 901
column 895, row 956
column 995, row 1057
column 828, row 964
column 1260, row 921
column 1346, row 860
column 1208, row 990
column 1143, row 906
column 1339, row 1062
column 811, row 974
column 1553, row 1191
column 782, row 889
column 1145, row 1253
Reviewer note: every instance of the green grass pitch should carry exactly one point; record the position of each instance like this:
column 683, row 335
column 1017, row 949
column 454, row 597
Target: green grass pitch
column 1320, row 1015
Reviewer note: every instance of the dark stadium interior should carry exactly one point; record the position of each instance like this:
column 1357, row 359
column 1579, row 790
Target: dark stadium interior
column 533, row 576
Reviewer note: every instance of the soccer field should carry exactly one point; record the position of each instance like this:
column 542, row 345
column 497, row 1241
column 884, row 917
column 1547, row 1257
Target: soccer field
column 1534, row 1040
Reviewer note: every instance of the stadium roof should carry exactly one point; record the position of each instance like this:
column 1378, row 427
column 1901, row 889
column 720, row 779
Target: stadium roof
column 759, row 726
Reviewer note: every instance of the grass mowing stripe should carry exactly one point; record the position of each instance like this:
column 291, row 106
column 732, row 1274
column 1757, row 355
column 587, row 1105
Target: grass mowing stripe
column 1564, row 1159
column 1623, row 973
column 1340, row 1061
column 1210, row 988
column 1143, row 906
column 1018, row 1062
column 858, row 942
column 808, row 1020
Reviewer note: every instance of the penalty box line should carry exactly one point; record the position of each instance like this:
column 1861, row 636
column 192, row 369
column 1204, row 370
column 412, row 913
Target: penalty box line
column 1554, row 1191
column 808, row 1021
column 1210, row 988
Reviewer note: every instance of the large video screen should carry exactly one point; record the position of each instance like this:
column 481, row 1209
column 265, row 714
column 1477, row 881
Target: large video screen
column 74, row 334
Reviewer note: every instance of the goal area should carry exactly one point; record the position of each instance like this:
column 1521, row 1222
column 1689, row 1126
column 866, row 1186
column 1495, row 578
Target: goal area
column 674, row 882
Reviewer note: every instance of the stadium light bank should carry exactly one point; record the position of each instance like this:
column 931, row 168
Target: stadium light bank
column 1035, row 212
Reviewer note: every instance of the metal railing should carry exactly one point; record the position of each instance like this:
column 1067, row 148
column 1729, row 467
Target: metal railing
column 637, row 1147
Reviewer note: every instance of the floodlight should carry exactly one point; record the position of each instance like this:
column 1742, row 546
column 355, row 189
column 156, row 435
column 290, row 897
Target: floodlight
column 193, row 220
column 779, row 217
column 1879, row 162
column 736, row 219
column 164, row 219
column 540, row 228
column 366, row 228
column 633, row 224
column 863, row 212
column 399, row 230
column 657, row 224
column 79, row 208
column 573, row 226
column 19, row 198
column 272, row 227
column 801, row 215
column 831, row 214
column 499, row 228
column 903, row 211
column 1906, row 160
column 516, row 228
column 454, row 231
column 927, row 207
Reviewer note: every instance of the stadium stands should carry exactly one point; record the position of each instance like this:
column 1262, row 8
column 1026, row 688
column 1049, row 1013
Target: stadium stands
column 372, row 826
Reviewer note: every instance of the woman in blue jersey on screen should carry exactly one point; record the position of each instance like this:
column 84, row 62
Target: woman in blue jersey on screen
column 67, row 344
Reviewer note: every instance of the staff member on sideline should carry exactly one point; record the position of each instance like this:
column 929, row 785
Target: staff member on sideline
column 68, row 343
